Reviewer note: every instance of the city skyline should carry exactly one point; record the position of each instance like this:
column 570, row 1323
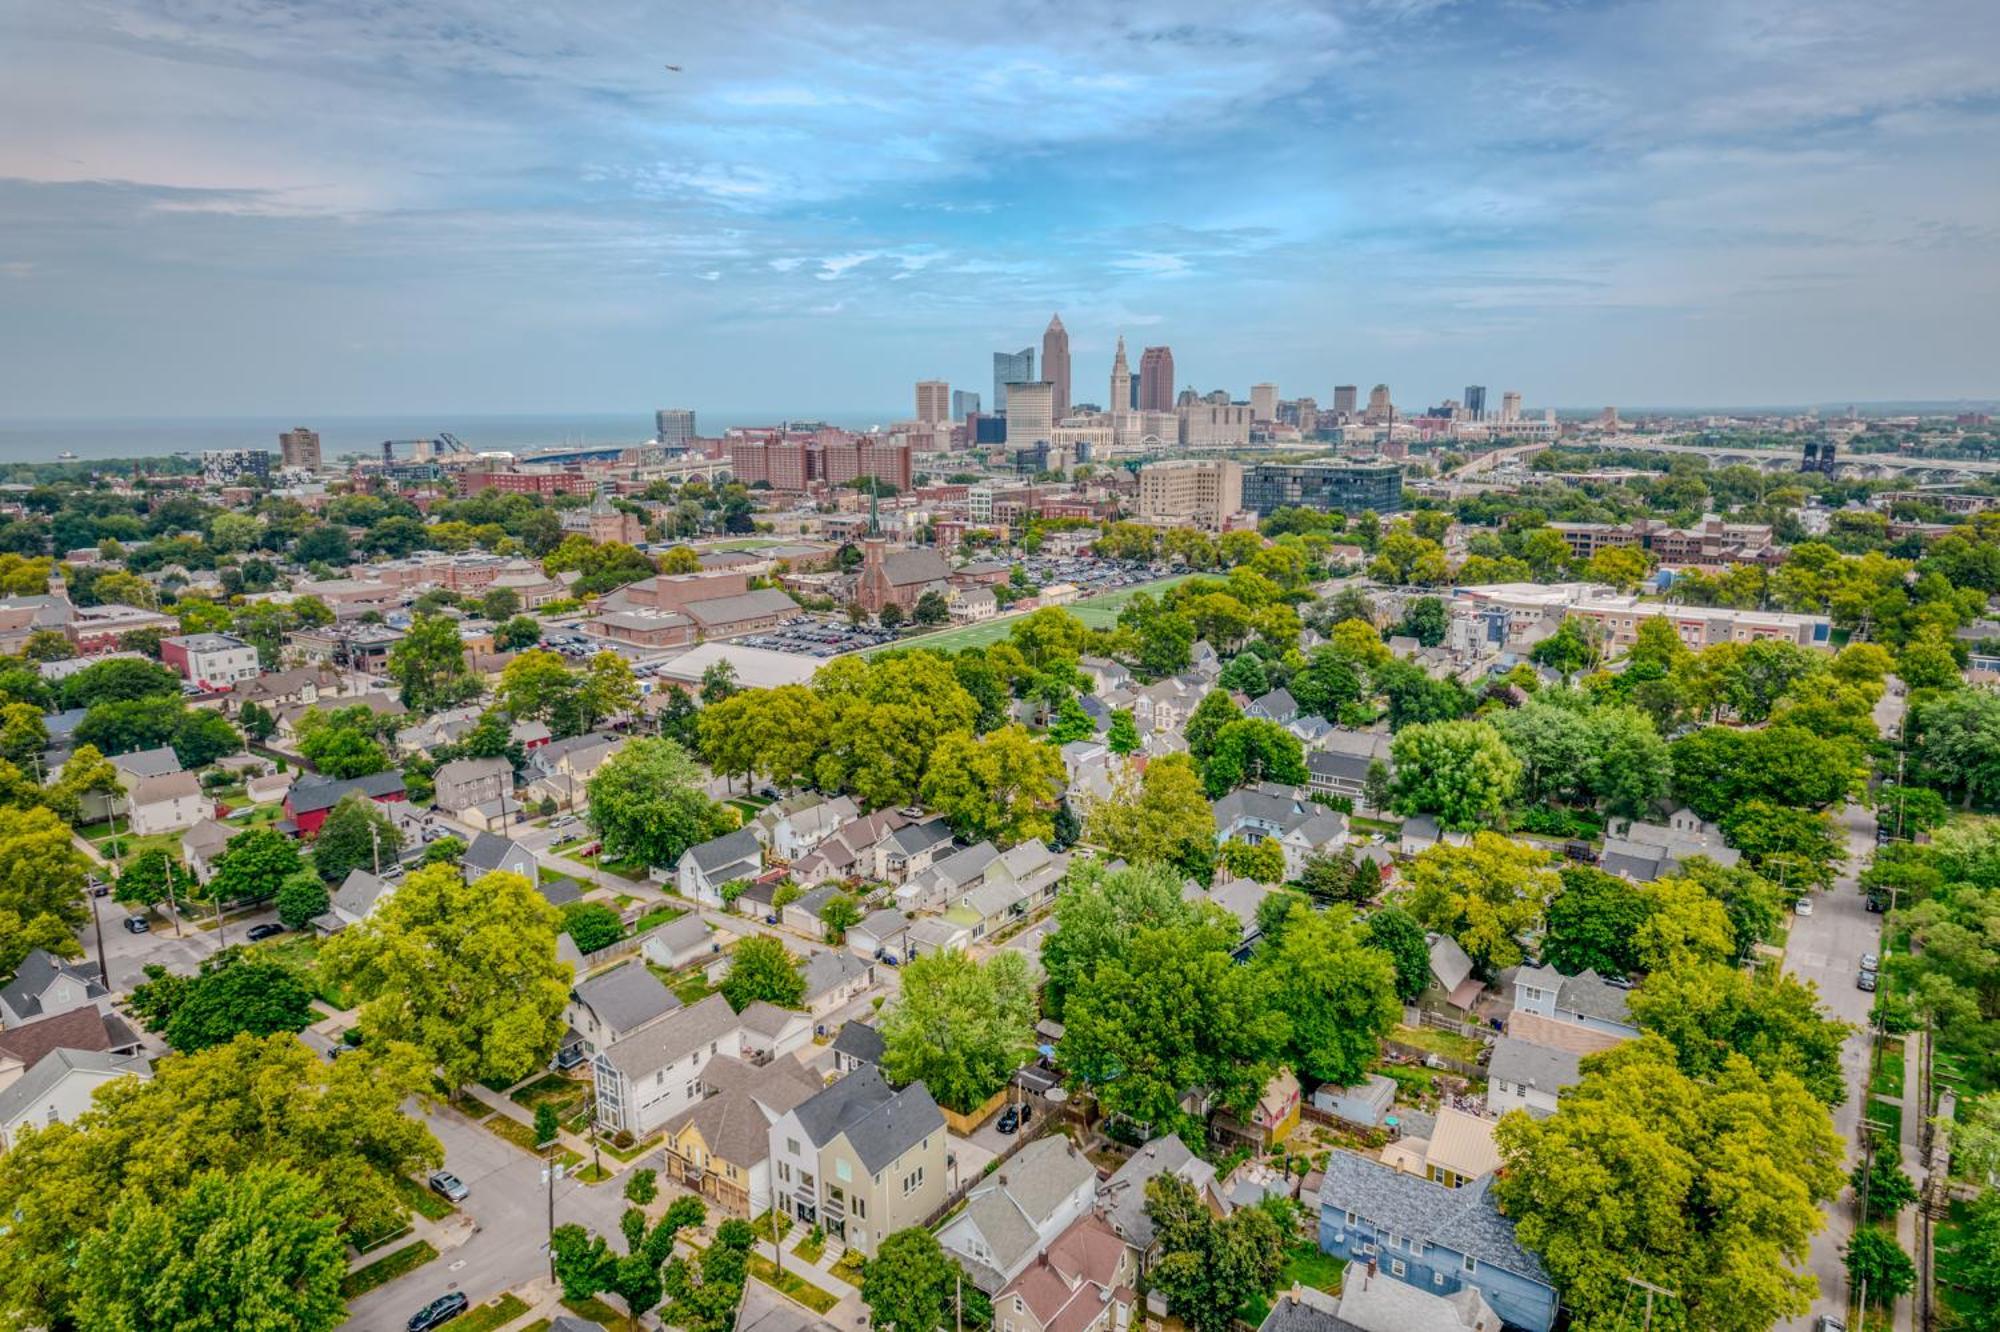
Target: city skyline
column 483, row 208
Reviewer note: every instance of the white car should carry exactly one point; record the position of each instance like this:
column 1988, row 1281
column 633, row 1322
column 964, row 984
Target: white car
column 1803, row 906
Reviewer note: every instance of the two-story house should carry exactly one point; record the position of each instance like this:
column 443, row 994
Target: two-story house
column 861, row 1160
column 606, row 1008
column 1266, row 811
column 45, row 985
column 655, row 1073
column 721, row 1146
column 1584, row 1000
column 1084, row 1282
column 1016, row 1212
column 795, row 825
column 703, row 869
column 467, row 784
column 1121, row 1200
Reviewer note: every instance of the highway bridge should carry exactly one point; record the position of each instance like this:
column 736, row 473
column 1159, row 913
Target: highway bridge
column 1855, row 464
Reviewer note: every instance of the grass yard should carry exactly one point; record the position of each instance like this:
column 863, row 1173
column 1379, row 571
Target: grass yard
column 762, row 1226
column 689, row 987
column 422, row 1200
column 1887, row 1079
column 384, row 1270
column 523, row 1136
column 659, row 915
column 849, row 1267
column 566, row 1094
column 299, row 954
column 628, row 1154
column 491, row 1317
column 597, row 1311
column 1889, row 1114
column 1099, row 612
column 1451, row 1044
column 812, row 1246
column 1308, row 1265
column 539, row 1325
column 790, row 1283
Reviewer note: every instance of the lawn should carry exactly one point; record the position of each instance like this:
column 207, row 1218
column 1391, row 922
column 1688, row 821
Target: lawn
column 659, row 915
column 426, row 1203
column 489, row 1317
column 805, row 1292
column 762, row 1225
column 1889, row 1114
column 523, row 1136
column 384, row 1270
column 1308, row 1265
column 1887, row 1079
column 566, row 1094
column 1099, row 612
column 1451, row 1044
column 690, row 988
column 849, row 1267
column 596, row 1310
column 812, row 1246
column 299, row 954
column 99, row 835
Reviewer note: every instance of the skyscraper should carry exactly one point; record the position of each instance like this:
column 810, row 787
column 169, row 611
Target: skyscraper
column 1510, row 406
column 1156, row 379
column 1121, row 382
column 1011, row 368
column 1380, row 409
column 1055, row 364
column 963, row 404
column 1475, row 400
column 1263, row 402
column 301, row 448
column 933, row 400
column 1029, row 421
column 1343, row 400
column 673, row 425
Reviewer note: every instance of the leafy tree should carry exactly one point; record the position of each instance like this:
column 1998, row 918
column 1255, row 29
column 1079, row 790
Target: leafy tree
column 500, row 603
column 356, row 835
column 548, row 1124
column 341, row 744
column 1717, row 769
column 1958, row 737
column 592, row 925
column 145, row 880
column 1462, row 772
column 1245, row 675
column 649, row 803
column 1551, row 736
column 961, row 1027
column 1162, row 819
column 1978, row 1263
column 1876, row 1262
column 302, row 898
column 1338, row 992
column 1571, row 648
column 1682, row 925
column 1330, row 879
column 1263, row 861
column 23, row 736
column 1884, row 1186
column 233, row 1111
column 1209, row 1268
column 1330, row 681
column 256, row 720
column 127, row 726
column 254, row 866
column 776, row 732
column 519, row 631
column 1909, row 810
column 428, row 662
column 1485, row 895
column 119, row 680
column 1122, row 737
column 1424, row 619
column 1709, row 1013
column 1376, row 785
column 891, row 616
column 1096, row 914
column 642, row 1186
column 1711, row 1188
column 837, row 915
column 1253, row 750
column 932, row 608
column 1003, row 785
column 465, row 972
column 1396, row 933
column 1204, row 725
column 1071, row 723
column 1795, row 845
column 41, row 887
column 1593, row 923
column 259, row 1249
column 761, row 968
column 233, row 993
column 704, row 1292
column 911, row 1282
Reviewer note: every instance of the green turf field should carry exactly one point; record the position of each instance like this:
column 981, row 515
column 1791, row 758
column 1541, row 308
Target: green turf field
column 1099, row 612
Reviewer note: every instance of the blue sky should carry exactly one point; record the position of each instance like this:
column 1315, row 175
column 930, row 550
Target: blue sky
column 258, row 206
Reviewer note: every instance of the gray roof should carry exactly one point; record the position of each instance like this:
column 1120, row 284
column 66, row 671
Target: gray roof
column 1540, row 1066
column 917, row 837
column 559, row 890
column 682, row 932
column 626, row 998
column 884, row 923
column 1121, row 1200
column 860, row 1041
column 728, row 849
column 571, row 1323
column 1449, row 964
column 358, row 893
column 880, row 1124
column 669, row 1041
column 735, row 1117
column 21, row 1094
column 148, row 762
column 1309, row 1311
column 1594, row 997
column 489, row 851
column 1012, row 1205
column 1463, row 1220
column 1283, row 807
column 962, row 867
column 309, row 794
column 36, row 973
column 823, row 971
column 1335, row 765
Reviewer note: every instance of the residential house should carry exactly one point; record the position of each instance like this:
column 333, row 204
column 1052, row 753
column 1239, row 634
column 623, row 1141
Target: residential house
column 279, row 691
column 771, row 1032
column 311, row 799
column 880, row 934
column 1371, row 1302
column 680, row 942
column 851, row 851
column 1643, row 852
column 934, row 934
column 210, row 661
column 1266, row 811
column 1584, row 1000
column 911, row 849
column 1162, row 706
column 1121, row 1200
column 353, row 902
column 203, row 845
column 382, row 705
column 703, row 869
column 948, row 879
column 606, row 1008
column 650, row 1076
column 1458, row 1150
column 1240, row 898
column 45, row 985
column 1437, row 1239
column 1015, row 1213
column 1277, row 706
column 59, row 1087
column 858, row 1045
column 166, row 804
column 1367, row 1103
column 791, row 827
column 720, row 1147
column 561, row 770
column 1522, row 1075
column 21, row 1048
column 1104, row 674
column 1419, row 834
column 834, row 979
column 861, row 1160
column 1084, row 1282
column 802, row 912
column 1271, row 1118
column 491, row 851
column 1452, row 982
column 463, row 784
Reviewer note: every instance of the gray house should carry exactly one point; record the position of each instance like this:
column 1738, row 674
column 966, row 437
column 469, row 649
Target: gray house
column 705, row 868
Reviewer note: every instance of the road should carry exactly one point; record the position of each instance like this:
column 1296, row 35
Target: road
column 1826, row 948
column 126, row 955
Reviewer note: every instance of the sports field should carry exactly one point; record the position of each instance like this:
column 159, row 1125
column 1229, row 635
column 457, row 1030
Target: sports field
column 1099, row 612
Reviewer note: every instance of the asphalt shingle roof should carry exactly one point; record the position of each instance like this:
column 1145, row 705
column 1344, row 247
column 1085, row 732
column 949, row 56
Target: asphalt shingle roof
column 1463, row 1220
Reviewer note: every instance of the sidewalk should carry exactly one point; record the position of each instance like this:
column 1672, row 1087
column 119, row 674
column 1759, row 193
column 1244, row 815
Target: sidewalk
column 1915, row 1112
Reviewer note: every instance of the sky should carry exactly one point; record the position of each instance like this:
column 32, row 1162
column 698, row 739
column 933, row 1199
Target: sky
column 213, row 207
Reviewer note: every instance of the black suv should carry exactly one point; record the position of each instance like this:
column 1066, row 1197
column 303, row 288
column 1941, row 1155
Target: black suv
column 439, row 1311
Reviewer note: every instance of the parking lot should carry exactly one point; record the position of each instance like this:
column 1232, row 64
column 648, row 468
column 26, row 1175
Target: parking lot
column 1086, row 573
column 814, row 636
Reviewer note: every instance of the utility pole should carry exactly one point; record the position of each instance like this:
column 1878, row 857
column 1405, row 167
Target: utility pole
column 1651, row 1290
column 173, row 903
column 551, row 1172
column 375, row 841
column 97, row 918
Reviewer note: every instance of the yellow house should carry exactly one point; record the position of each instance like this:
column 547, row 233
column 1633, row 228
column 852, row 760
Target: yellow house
column 721, row 1145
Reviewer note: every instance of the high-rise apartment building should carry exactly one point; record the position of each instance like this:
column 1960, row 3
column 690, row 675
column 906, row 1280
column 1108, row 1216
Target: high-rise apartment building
column 1380, row 409
column 1156, row 379
column 300, row 448
column 1475, row 401
column 1030, row 415
column 223, row 467
column 933, row 401
column 1011, row 368
column 1264, row 402
column 1055, row 365
column 673, row 425
column 964, row 403
column 1510, row 407
column 1343, row 401
column 1350, row 488
column 1197, row 492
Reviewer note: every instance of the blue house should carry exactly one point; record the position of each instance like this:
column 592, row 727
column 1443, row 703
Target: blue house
column 1434, row 1238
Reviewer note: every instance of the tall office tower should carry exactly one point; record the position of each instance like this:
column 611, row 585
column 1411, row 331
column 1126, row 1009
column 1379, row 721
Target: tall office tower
column 1475, row 401
column 1156, row 379
column 300, row 447
column 1011, row 368
column 963, row 404
column 1263, row 402
column 1343, row 401
column 1308, row 415
column 1121, row 382
column 933, row 400
column 1030, row 418
column 1510, row 406
column 673, row 425
column 1055, row 363
column 1380, row 409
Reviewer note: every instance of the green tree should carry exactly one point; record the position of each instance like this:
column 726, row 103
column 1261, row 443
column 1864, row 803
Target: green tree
column 911, row 1282
column 256, row 1250
column 1958, row 738
column 233, row 993
column 592, row 925
column 465, row 972
column 201, row 737
column 649, row 803
column 341, row 744
column 1876, row 1262
column 1909, row 810
column 1096, row 914
column 1978, row 1263
column 1263, row 861
column 1215, row 711
column 1376, row 785
column 1001, row 786
column 548, row 1124
column 1250, row 750
column 1884, row 1186
column 1122, row 737
column 1396, row 933
column 1485, row 894
column 1245, row 675
column 41, row 887
column 1338, row 992
column 705, row 1291
column 1571, row 648
column 119, row 680
column 1710, row 1188
column 761, row 968
column 23, row 736
column 254, row 866
column 145, row 880
column 1162, row 819
column 1796, row 845
column 959, row 1026
column 1424, row 619
column 1709, row 1013
column 256, row 720
column 837, row 915
column 1462, row 772
column 301, row 899
column 1593, row 923
column 1208, row 1268
column 356, row 835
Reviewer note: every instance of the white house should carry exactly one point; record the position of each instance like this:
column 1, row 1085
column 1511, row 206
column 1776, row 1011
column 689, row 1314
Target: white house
column 167, row 804
column 705, row 868
column 1016, row 1212
column 59, row 1088
column 45, row 985
column 655, row 1073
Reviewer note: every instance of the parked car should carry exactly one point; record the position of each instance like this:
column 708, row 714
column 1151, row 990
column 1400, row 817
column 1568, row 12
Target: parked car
column 1010, row 1119
column 1803, row 906
column 1870, row 962
column 1875, row 903
column 99, row 888
column 439, row 1311
column 138, row 925
column 270, row 929
column 1828, row 1323
column 449, row 1186
column 1865, row 981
